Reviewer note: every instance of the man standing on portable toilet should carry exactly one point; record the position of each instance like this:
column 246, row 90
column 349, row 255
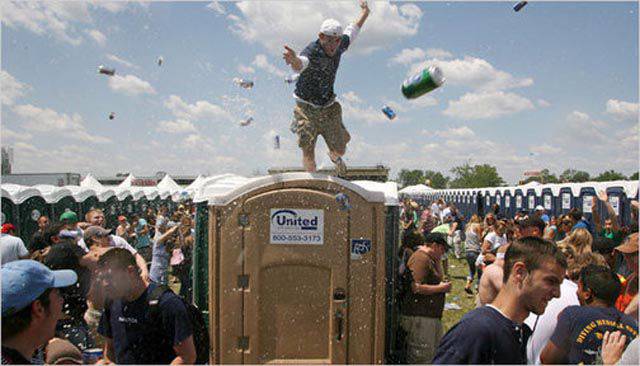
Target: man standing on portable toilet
column 316, row 111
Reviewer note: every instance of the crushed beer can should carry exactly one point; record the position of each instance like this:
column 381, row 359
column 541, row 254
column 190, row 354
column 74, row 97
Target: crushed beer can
column 519, row 5
column 388, row 112
column 343, row 200
column 160, row 61
column 112, row 115
column 91, row 356
column 276, row 142
column 246, row 122
column 247, row 84
column 106, row 71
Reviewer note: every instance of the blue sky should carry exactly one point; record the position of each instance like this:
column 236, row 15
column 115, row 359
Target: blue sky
column 553, row 86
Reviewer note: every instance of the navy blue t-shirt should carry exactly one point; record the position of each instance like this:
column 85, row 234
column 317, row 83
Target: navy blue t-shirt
column 580, row 329
column 315, row 84
column 484, row 336
column 138, row 340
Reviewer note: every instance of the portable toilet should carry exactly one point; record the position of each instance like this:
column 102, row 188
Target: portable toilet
column 518, row 197
column 548, row 201
column 8, row 208
column 509, row 212
column 566, row 200
column 297, row 268
column 531, row 202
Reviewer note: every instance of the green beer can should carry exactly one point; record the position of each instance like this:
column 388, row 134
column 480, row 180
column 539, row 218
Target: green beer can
column 423, row 82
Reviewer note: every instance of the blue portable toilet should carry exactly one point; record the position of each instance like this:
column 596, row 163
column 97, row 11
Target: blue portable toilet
column 585, row 203
column 531, row 200
column 518, row 200
column 508, row 204
column 566, row 200
column 548, row 201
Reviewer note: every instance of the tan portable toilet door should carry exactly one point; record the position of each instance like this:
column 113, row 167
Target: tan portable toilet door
column 295, row 310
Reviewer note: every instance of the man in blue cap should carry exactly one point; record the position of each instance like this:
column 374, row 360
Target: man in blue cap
column 31, row 307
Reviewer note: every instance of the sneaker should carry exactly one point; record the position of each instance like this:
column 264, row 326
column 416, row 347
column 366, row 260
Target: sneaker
column 341, row 167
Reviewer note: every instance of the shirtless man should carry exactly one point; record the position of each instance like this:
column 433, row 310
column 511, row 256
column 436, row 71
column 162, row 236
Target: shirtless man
column 491, row 280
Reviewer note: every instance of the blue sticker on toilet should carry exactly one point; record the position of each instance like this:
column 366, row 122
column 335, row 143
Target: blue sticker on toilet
column 360, row 247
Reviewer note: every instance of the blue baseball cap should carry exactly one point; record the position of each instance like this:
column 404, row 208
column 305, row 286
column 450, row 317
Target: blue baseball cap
column 23, row 281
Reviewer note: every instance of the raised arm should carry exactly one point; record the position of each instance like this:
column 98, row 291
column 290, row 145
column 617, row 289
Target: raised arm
column 602, row 195
column 596, row 214
column 290, row 57
column 364, row 14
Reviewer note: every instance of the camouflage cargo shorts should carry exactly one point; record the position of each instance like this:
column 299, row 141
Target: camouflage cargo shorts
column 309, row 122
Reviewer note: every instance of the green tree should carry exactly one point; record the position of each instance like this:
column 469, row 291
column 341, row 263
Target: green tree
column 574, row 176
column 545, row 177
column 408, row 177
column 634, row 176
column 609, row 175
column 437, row 179
column 477, row 176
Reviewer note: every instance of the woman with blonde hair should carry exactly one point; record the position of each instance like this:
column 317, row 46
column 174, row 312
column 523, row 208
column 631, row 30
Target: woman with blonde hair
column 580, row 240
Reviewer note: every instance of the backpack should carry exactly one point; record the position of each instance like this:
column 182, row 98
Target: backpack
column 198, row 325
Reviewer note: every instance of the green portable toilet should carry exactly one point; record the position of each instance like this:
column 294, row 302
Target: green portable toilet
column 64, row 204
column 8, row 209
column 29, row 212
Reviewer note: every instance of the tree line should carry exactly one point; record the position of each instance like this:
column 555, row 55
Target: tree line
column 485, row 175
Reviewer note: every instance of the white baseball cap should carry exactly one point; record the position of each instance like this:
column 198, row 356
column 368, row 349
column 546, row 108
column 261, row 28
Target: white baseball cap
column 539, row 208
column 331, row 27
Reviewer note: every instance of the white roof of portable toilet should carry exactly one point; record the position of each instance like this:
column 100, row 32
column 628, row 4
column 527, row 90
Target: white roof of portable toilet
column 225, row 190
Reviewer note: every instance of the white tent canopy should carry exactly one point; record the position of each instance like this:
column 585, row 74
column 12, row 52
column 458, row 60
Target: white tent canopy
column 168, row 184
column 91, row 182
column 128, row 182
column 417, row 190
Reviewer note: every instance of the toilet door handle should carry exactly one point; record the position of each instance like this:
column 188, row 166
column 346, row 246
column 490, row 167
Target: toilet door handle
column 339, row 325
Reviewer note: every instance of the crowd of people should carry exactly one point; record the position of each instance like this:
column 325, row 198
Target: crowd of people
column 552, row 290
column 79, row 292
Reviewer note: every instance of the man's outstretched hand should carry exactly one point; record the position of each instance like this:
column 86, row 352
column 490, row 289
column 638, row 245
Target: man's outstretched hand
column 291, row 58
column 364, row 6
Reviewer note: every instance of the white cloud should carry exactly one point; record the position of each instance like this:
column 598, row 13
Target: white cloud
column 487, row 105
column 546, row 149
column 10, row 135
column 461, row 133
column 352, row 97
column 60, row 19
column 438, row 53
column 543, row 103
column 121, row 61
column 12, row 89
column 473, row 72
column 242, row 69
column 622, row 110
column 217, row 7
column 177, row 126
column 408, row 55
column 261, row 62
column 51, row 122
column 130, row 85
column 199, row 111
column 97, row 36
column 275, row 23
column 198, row 142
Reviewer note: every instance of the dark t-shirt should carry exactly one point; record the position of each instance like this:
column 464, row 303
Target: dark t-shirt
column 484, row 336
column 67, row 255
column 580, row 329
column 139, row 340
column 38, row 242
column 315, row 84
column 12, row 357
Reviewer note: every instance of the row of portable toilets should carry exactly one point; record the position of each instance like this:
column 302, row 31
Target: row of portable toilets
column 557, row 199
column 22, row 205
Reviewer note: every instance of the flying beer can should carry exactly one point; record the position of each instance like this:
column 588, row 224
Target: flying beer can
column 425, row 81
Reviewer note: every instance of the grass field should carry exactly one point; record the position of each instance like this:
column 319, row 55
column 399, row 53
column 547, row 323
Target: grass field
column 458, row 272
